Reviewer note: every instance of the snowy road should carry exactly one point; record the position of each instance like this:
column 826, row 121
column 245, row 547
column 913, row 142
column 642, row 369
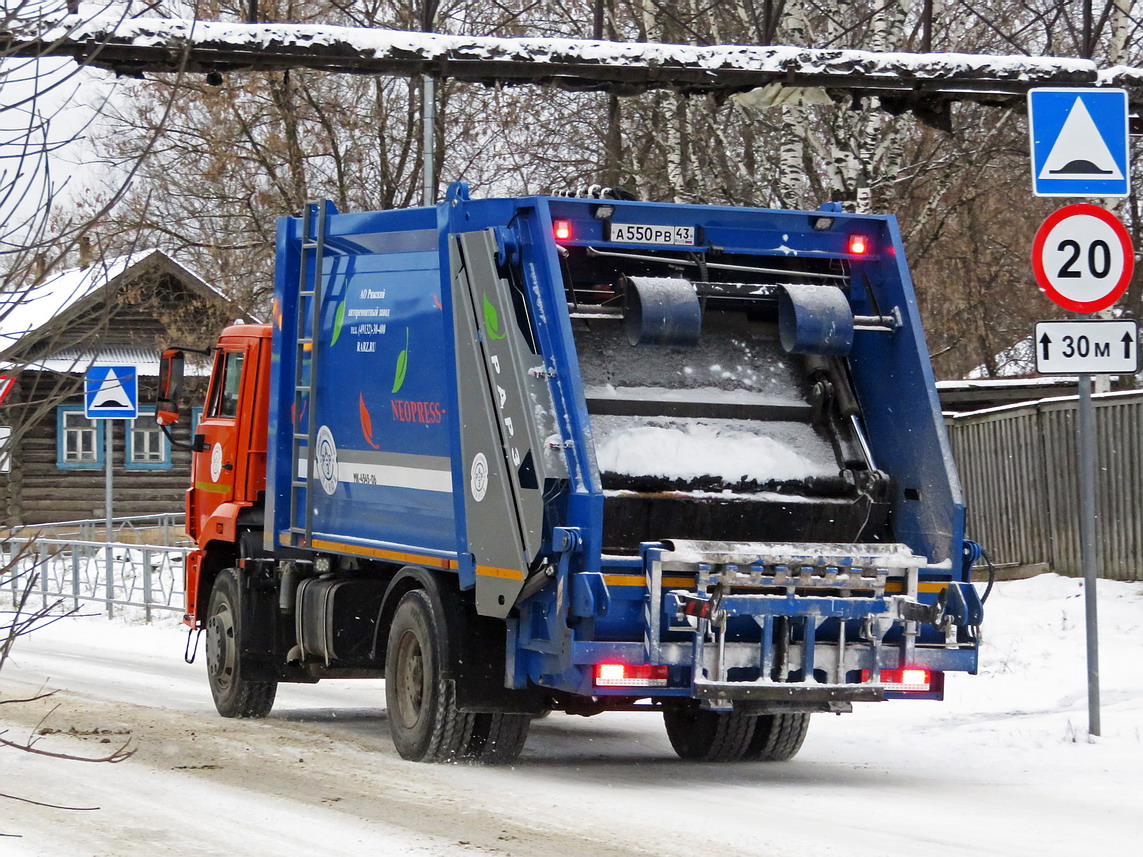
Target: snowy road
column 1001, row 768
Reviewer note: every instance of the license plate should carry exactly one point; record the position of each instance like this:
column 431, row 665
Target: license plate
column 645, row 233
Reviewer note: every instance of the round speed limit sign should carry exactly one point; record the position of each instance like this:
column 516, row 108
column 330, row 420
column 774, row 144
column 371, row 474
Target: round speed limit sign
column 1082, row 258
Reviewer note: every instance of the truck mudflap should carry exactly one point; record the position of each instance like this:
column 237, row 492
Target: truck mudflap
column 835, row 622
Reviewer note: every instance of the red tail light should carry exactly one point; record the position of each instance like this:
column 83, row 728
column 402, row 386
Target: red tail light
column 630, row 675
column 904, row 680
column 562, row 230
column 858, row 245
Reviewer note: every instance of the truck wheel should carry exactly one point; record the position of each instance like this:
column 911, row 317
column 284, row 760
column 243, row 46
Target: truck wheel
column 234, row 694
column 498, row 738
column 777, row 737
column 424, row 720
column 707, row 736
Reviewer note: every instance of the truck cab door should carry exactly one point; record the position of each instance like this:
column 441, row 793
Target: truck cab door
column 216, row 442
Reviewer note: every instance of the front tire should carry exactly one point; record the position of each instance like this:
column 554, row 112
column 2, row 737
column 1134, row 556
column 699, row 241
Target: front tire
column 707, row 736
column 234, row 694
column 424, row 720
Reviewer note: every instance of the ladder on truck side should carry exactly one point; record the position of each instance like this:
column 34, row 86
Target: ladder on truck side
column 312, row 251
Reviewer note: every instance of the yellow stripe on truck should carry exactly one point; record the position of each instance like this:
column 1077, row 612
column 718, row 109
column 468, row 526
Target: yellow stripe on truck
column 381, row 553
column 505, row 573
column 894, row 587
column 638, row 580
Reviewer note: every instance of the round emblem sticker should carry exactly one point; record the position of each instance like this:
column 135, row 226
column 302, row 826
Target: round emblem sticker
column 478, row 477
column 326, row 464
column 216, row 462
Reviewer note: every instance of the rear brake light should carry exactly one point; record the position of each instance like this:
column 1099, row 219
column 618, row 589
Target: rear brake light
column 858, row 245
column 562, row 229
column 905, row 680
column 630, row 675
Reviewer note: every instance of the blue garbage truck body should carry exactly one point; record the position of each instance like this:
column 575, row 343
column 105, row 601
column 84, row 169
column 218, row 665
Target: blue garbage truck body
column 583, row 454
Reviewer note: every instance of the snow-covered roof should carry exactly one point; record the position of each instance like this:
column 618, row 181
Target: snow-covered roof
column 24, row 311
column 79, row 360
column 104, row 38
column 1007, row 383
column 1016, row 406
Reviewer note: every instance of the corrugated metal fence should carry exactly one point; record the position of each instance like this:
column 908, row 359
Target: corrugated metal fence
column 1018, row 468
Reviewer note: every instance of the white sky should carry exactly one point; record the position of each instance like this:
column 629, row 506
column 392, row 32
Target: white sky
column 59, row 102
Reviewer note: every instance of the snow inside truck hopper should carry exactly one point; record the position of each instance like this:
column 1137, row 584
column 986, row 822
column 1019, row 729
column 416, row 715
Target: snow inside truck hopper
column 582, row 453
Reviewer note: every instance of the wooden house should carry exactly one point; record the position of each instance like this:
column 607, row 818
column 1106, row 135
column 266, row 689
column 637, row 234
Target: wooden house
column 115, row 312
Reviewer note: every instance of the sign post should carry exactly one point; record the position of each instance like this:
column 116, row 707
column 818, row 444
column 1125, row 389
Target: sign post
column 110, row 393
column 1083, row 260
column 1088, row 455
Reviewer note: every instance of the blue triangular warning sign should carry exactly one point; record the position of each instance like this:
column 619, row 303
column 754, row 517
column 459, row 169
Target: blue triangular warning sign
column 111, row 392
column 1079, row 142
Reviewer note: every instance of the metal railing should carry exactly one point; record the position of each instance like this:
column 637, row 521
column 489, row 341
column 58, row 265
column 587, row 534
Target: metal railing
column 112, row 574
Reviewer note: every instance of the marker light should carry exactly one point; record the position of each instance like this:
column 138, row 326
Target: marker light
column 905, row 680
column 858, row 245
column 630, row 675
column 562, row 229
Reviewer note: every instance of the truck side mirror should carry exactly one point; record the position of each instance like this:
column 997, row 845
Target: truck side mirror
column 171, row 369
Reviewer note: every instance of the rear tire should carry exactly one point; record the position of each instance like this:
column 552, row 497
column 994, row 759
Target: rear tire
column 777, row 737
column 707, row 736
column 498, row 738
column 234, row 694
column 424, row 720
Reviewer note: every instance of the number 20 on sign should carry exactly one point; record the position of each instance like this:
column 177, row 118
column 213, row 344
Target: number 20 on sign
column 1082, row 258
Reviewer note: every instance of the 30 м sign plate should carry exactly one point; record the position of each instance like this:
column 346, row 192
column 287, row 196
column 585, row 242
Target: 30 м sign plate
column 1086, row 347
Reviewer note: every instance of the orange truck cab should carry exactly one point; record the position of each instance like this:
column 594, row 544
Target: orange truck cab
column 228, row 465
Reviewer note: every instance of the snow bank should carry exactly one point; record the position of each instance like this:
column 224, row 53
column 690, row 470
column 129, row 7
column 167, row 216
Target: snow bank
column 1001, row 768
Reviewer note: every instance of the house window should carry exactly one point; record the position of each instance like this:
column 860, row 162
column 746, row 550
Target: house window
column 147, row 446
column 79, row 441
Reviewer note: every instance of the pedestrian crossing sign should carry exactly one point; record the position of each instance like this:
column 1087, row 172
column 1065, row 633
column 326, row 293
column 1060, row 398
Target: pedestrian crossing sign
column 1079, row 142
column 111, row 393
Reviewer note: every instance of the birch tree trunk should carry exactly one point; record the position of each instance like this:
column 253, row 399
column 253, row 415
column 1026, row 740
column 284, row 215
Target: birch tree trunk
column 794, row 121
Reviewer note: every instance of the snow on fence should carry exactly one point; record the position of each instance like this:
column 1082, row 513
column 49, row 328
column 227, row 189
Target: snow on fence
column 164, row 528
column 115, row 574
column 1017, row 464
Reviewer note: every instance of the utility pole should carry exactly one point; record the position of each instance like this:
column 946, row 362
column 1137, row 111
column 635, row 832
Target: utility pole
column 429, row 112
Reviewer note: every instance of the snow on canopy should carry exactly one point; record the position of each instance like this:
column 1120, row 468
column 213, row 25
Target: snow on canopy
column 103, row 38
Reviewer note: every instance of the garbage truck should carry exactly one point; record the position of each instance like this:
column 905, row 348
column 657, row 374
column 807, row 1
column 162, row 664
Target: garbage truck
column 579, row 454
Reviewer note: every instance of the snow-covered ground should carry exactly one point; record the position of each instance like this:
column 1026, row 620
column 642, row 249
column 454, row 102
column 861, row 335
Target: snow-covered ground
column 1002, row 767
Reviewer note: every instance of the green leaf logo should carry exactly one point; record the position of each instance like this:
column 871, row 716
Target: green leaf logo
column 338, row 321
column 402, row 365
column 492, row 320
